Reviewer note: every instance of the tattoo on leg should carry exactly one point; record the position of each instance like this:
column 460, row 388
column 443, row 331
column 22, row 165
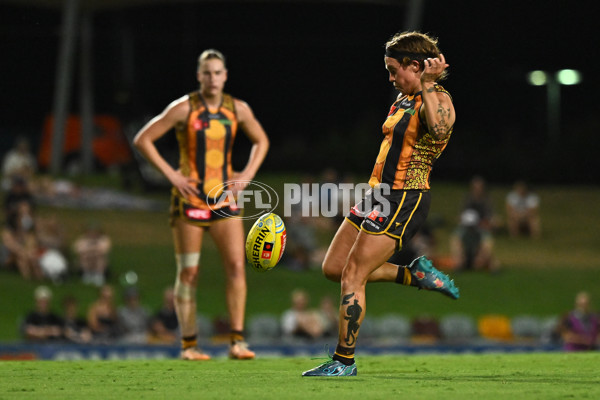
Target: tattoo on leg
column 353, row 311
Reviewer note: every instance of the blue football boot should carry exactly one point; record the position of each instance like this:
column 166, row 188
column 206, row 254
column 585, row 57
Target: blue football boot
column 429, row 278
column 332, row 368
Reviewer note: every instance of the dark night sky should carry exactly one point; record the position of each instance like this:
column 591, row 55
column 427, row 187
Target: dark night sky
column 313, row 73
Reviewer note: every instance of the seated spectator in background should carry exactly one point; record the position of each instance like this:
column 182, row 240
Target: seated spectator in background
column 472, row 247
column 42, row 324
column 580, row 328
column 18, row 162
column 18, row 192
column 102, row 317
column 75, row 328
column 51, row 243
column 329, row 314
column 478, row 199
column 300, row 321
column 92, row 249
column 133, row 318
column 51, row 234
column 20, row 242
column 522, row 211
column 301, row 242
column 164, row 327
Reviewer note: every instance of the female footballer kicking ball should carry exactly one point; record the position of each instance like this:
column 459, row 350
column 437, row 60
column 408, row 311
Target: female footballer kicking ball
column 415, row 133
column 206, row 122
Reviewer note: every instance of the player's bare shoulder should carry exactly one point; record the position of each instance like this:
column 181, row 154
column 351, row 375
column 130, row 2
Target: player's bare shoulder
column 179, row 109
column 243, row 110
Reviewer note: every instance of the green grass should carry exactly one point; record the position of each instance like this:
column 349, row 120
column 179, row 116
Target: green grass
column 487, row 376
column 538, row 277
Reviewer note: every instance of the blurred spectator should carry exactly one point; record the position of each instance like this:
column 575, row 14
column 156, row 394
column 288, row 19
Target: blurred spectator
column 312, row 211
column 478, row 199
column 300, row 321
column 51, row 243
column 102, row 316
column 20, row 242
column 75, row 328
column 301, row 242
column 18, row 162
column 472, row 246
column 329, row 313
column 18, row 192
column 50, row 233
column 91, row 250
column 580, row 328
column 42, row 324
column 164, row 326
column 133, row 318
column 522, row 211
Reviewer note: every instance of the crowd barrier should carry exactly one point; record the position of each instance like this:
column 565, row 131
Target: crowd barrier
column 64, row 352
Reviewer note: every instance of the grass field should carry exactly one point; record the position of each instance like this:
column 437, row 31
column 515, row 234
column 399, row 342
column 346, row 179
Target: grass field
column 488, row 376
column 538, row 277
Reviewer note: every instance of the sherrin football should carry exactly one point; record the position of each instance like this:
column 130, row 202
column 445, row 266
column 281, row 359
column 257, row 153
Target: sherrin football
column 266, row 242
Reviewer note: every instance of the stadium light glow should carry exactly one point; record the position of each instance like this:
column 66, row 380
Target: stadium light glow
column 553, row 83
column 537, row 78
column 568, row 77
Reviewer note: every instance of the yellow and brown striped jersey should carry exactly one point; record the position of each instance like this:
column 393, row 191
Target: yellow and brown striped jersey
column 408, row 151
column 205, row 144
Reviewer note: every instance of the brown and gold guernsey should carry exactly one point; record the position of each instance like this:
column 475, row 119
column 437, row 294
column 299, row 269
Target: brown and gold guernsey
column 408, row 151
column 205, row 143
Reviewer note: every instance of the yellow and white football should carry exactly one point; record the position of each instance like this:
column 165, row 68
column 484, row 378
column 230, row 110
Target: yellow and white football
column 266, row 242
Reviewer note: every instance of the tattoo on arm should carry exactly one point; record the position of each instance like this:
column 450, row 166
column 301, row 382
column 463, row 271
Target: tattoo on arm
column 440, row 130
column 353, row 312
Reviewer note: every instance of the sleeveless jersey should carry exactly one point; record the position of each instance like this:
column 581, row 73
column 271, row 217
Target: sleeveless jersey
column 205, row 143
column 408, row 151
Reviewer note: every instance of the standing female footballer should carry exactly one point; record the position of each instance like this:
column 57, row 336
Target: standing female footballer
column 415, row 133
column 206, row 123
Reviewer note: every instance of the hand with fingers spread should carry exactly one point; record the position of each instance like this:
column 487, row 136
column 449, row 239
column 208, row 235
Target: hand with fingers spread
column 240, row 181
column 185, row 185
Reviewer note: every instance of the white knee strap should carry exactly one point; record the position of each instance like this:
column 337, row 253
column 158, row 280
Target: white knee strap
column 186, row 260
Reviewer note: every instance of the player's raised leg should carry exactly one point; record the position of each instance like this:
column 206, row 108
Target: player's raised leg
column 420, row 273
column 228, row 235
column 188, row 241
